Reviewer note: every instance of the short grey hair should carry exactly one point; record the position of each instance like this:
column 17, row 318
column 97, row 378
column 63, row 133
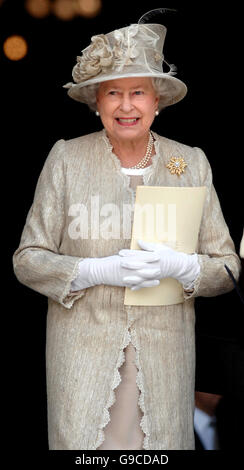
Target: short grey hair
column 159, row 85
column 162, row 90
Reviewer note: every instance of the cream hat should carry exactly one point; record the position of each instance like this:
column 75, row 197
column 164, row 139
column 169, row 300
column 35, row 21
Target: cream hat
column 133, row 51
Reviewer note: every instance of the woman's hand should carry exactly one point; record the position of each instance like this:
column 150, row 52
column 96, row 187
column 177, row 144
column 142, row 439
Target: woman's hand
column 138, row 268
column 170, row 263
column 123, row 271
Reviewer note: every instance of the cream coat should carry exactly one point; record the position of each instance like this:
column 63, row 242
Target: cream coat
column 87, row 331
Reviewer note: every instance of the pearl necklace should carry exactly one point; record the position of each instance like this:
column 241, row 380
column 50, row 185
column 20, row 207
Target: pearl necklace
column 144, row 161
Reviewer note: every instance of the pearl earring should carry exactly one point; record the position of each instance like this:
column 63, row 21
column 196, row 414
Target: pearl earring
column 157, row 112
column 97, row 113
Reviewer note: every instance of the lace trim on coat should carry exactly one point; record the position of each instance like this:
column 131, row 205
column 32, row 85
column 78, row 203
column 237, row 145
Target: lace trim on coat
column 68, row 297
column 118, row 167
column 116, row 381
column 193, row 291
column 112, row 398
column 139, row 381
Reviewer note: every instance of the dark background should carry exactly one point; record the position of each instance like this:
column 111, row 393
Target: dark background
column 203, row 40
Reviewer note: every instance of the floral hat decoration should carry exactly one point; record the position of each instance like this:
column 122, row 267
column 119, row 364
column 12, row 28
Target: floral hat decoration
column 132, row 51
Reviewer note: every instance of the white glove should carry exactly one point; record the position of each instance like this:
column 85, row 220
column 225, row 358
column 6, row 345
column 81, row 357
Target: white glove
column 181, row 266
column 116, row 270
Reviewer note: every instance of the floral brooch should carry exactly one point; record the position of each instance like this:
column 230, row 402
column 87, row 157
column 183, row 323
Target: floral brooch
column 176, row 165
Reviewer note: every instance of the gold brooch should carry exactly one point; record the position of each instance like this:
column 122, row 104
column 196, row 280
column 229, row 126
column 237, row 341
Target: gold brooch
column 176, row 165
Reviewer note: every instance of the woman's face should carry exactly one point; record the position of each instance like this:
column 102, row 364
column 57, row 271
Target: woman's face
column 127, row 106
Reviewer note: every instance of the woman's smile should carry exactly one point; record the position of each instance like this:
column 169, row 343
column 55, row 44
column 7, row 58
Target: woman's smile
column 127, row 121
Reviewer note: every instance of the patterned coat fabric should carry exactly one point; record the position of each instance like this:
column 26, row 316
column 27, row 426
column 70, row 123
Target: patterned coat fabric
column 80, row 184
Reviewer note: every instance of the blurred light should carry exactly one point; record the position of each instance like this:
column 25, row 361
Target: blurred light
column 15, row 47
column 88, row 8
column 64, row 9
column 38, row 8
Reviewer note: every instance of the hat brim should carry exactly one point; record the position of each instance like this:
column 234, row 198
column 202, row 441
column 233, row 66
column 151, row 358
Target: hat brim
column 175, row 90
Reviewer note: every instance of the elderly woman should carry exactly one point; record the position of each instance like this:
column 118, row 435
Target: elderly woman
column 119, row 376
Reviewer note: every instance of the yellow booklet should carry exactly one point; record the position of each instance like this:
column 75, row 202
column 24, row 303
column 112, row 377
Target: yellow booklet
column 170, row 215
